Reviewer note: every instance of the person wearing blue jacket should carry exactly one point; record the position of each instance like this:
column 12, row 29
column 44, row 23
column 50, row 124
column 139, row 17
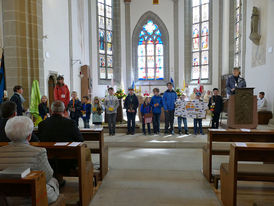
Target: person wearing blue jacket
column 169, row 100
column 234, row 81
column 86, row 111
column 75, row 107
column 156, row 104
column 146, row 110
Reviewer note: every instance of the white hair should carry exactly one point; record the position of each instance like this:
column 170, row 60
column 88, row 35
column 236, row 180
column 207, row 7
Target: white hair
column 58, row 106
column 19, row 128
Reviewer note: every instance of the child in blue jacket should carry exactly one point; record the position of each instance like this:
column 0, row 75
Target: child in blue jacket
column 146, row 115
column 169, row 100
column 75, row 107
column 86, row 111
column 156, row 104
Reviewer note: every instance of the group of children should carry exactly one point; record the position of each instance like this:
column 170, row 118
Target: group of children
column 151, row 112
column 77, row 109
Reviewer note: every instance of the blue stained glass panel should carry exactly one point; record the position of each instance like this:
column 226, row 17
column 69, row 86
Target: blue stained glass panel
column 142, row 33
column 195, row 59
column 159, row 61
column 159, row 49
column 142, row 74
column 205, row 29
column 195, row 30
column 109, row 36
column 102, row 60
column 150, row 61
column 141, row 50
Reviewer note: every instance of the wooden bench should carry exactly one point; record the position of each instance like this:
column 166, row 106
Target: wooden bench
column 97, row 135
column 84, row 167
column 233, row 171
column 264, row 117
column 33, row 185
column 228, row 136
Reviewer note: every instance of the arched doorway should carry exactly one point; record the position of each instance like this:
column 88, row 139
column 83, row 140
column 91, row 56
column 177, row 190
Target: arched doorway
column 51, row 86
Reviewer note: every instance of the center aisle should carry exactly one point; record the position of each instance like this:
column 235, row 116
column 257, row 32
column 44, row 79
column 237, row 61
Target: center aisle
column 148, row 177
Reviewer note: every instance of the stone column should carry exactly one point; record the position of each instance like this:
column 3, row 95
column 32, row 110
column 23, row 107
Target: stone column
column 23, row 33
column 128, row 44
column 176, row 42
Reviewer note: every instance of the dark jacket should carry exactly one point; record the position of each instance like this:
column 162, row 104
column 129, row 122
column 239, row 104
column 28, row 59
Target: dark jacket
column 77, row 106
column 218, row 100
column 145, row 109
column 169, row 100
column 3, row 136
column 43, row 110
column 131, row 103
column 231, row 83
column 17, row 100
column 86, row 110
column 59, row 129
column 154, row 100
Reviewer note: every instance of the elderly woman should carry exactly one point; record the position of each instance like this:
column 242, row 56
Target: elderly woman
column 20, row 154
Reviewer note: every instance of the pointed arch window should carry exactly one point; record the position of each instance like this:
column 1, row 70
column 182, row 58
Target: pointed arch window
column 200, row 39
column 150, row 53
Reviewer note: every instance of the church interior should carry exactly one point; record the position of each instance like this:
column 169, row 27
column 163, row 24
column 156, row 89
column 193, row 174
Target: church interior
column 210, row 63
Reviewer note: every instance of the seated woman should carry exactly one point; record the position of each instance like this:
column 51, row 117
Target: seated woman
column 19, row 153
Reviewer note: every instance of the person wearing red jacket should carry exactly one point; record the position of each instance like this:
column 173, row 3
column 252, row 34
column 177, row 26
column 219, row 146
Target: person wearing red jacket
column 61, row 91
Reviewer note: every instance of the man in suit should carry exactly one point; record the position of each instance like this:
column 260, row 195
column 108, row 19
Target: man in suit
column 21, row 154
column 8, row 111
column 234, row 81
column 18, row 99
column 215, row 105
column 57, row 128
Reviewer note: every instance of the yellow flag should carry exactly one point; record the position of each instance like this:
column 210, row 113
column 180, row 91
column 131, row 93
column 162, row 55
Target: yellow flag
column 184, row 87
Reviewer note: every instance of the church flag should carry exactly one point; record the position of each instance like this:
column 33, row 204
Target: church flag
column 172, row 82
column 35, row 100
column 2, row 76
column 132, row 86
column 184, row 86
column 155, row 2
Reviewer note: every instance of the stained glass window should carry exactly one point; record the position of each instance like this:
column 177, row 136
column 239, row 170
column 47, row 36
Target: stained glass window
column 200, row 39
column 150, row 53
column 237, row 32
column 105, row 38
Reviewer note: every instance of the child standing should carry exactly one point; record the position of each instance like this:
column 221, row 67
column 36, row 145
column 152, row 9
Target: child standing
column 111, row 105
column 75, row 107
column 156, row 104
column 180, row 118
column 146, row 115
column 97, row 111
column 43, row 108
column 86, row 111
column 198, row 120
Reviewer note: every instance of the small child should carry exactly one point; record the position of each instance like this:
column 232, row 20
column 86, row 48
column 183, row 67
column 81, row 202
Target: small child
column 43, row 108
column 97, row 111
column 156, row 104
column 75, row 107
column 180, row 118
column 86, row 111
column 198, row 120
column 146, row 115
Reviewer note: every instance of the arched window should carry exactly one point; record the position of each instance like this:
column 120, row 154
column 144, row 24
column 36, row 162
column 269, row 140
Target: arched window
column 200, row 39
column 237, row 32
column 105, row 15
column 150, row 53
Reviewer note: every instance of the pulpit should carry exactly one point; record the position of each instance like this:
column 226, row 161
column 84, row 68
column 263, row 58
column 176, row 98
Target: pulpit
column 242, row 109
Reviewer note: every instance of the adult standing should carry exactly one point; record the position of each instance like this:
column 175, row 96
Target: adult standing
column 169, row 100
column 131, row 105
column 111, row 104
column 215, row 105
column 18, row 99
column 61, row 91
column 234, row 81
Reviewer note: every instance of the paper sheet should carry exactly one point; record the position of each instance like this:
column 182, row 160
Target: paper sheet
column 240, row 144
column 61, row 143
column 245, row 130
column 74, row 144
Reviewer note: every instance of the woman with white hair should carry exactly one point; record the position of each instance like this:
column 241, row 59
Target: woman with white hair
column 19, row 153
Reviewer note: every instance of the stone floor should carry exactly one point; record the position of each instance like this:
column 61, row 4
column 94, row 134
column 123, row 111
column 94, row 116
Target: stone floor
column 143, row 176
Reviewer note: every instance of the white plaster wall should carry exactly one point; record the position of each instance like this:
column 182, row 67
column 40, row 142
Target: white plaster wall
column 261, row 77
column 56, row 27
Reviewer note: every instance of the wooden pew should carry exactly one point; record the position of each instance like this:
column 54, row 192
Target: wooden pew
column 84, row 168
column 233, row 171
column 229, row 135
column 97, row 135
column 33, row 185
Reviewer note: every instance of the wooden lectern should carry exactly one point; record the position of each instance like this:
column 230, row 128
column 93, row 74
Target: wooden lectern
column 242, row 109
